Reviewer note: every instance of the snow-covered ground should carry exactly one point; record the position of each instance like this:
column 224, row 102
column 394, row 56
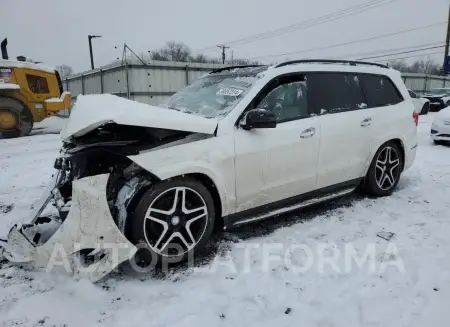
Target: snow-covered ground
column 256, row 276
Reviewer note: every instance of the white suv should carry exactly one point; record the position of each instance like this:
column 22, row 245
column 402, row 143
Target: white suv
column 236, row 146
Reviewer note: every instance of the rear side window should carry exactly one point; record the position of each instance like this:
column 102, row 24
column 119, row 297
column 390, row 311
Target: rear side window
column 37, row 84
column 334, row 92
column 380, row 91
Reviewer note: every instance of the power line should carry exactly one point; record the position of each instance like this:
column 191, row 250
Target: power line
column 414, row 56
column 397, row 53
column 349, row 11
column 353, row 55
column 351, row 42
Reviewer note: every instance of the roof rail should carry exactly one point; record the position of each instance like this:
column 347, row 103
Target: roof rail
column 329, row 61
column 233, row 67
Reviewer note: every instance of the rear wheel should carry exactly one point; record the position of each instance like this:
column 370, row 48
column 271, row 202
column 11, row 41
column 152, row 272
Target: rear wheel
column 15, row 119
column 425, row 109
column 172, row 220
column 384, row 171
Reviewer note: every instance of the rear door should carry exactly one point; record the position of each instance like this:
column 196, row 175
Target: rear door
column 278, row 163
column 391, row 114
column 339, row 101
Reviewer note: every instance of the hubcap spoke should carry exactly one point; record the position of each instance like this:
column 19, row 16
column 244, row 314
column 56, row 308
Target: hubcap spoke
column 182, row 225
column 386, row 168
column 172, row 237
column 189, row 223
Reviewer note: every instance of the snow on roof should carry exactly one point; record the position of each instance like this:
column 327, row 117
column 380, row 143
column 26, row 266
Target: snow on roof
column 9, row 86
column 24, row 64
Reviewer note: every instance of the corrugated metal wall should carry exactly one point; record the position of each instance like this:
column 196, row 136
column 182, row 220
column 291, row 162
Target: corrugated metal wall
column 421, row 83
column 156, row 82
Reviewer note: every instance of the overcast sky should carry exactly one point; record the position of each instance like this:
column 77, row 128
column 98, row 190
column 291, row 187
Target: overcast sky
column 55, row 31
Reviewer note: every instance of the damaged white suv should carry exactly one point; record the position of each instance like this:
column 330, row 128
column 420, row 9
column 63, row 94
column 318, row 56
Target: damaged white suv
column 236, row 146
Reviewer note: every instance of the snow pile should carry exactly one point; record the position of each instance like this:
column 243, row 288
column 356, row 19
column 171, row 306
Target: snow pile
column 250, row 279
column 50, row 125
column 9, row 86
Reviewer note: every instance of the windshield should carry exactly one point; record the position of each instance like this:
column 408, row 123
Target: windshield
column 440, row 91
column 215, row 95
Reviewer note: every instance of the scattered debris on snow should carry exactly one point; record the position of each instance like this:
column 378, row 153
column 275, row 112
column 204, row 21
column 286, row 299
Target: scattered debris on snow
column 386, row 235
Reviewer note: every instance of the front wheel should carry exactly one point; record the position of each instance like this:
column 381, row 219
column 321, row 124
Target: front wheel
column 172, row 220
column 384, row 171
column 15, row 119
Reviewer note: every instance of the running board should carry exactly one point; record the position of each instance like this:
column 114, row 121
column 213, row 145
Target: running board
column 300, row 205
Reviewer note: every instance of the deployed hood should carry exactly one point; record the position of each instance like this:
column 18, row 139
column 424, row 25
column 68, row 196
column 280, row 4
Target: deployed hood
column 92, row 111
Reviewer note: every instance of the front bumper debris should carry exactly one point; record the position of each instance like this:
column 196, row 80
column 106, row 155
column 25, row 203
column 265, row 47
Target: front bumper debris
column 85, row 244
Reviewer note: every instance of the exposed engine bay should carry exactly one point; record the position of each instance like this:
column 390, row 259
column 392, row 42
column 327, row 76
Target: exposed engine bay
column 92, row 190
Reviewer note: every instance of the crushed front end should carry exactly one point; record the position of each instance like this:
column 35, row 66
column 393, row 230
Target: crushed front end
column 83, row 233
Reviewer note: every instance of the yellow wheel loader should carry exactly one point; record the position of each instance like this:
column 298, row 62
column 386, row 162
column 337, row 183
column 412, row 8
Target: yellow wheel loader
column 28, row 93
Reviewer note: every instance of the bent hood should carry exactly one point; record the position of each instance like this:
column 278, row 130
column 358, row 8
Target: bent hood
column 92, row 111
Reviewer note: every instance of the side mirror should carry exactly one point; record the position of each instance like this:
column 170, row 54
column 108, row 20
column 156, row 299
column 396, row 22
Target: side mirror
column 259, row 118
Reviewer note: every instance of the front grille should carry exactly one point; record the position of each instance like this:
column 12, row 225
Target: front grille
column 443, row 135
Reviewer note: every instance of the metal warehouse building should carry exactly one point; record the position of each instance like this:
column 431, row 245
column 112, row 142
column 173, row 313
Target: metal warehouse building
column 153, row 83
column 156, row 82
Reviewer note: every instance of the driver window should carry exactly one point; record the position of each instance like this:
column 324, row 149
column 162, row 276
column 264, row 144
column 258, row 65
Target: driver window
column 288, row 101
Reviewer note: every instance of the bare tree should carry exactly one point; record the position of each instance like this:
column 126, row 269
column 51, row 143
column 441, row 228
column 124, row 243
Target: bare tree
column 172, row 51
column 64, row 70
column 419, row 66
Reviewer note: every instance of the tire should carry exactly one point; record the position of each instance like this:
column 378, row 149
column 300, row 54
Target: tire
column 23, row 123
column 425, row 109
column 153, row 233
column 388, row 161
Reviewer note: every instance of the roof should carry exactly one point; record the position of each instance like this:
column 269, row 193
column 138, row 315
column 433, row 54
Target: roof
column 25, row 64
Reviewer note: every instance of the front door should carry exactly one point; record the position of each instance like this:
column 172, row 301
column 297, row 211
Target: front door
column 279, row 163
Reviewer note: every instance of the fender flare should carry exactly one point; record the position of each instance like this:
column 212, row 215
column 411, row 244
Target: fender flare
column 378, row 144
column 186, row 168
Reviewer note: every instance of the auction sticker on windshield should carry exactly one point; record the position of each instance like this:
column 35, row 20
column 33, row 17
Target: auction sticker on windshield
column 229, row 92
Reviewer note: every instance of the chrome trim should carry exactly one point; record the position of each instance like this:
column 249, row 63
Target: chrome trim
column 296, row 206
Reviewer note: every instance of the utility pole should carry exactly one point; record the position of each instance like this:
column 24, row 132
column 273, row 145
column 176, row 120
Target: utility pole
column 223, row 47
column 90, row 37
column 447, row 41
column 232, row 57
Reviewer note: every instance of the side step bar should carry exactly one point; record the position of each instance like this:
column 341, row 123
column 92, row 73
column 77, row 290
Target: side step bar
column 300, row 205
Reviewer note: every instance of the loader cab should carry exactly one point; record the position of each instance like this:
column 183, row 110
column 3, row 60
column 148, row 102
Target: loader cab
column 28, row 93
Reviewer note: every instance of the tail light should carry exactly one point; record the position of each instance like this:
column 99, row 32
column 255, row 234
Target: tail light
column 416, row 118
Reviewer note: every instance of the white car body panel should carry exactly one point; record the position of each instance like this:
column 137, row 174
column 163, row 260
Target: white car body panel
column 343, row 146
column 79, row 231
column 441, row 124
column 274, row 164
column 418, row 103
column 92, row 111
column 213, row 157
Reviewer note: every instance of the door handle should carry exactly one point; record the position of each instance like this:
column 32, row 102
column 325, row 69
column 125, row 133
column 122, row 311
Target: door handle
column 309, row 132
column 366, row 122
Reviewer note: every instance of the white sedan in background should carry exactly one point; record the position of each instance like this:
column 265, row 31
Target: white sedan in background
column 421, row 105
column 440, row 129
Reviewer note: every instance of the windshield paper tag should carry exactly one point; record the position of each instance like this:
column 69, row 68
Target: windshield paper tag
column 229, row 92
